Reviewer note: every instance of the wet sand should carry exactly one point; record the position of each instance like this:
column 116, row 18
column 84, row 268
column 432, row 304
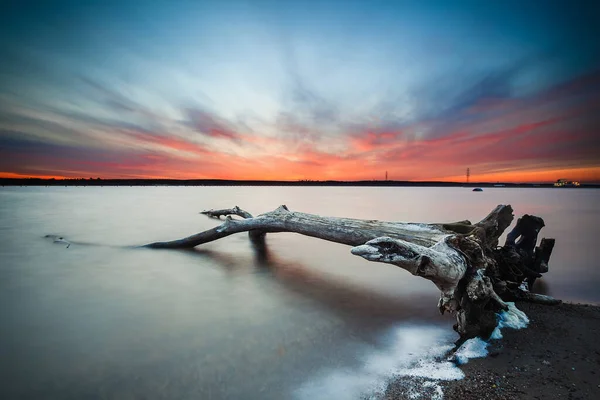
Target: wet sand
column 556, row 357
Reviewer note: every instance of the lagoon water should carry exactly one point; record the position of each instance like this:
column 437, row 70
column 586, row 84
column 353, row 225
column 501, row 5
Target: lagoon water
column 101, row 319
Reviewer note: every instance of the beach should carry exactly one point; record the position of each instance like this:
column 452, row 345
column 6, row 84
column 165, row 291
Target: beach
column 556, row 357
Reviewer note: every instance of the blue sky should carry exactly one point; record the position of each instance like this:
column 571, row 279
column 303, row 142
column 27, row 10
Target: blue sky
column 310, row 88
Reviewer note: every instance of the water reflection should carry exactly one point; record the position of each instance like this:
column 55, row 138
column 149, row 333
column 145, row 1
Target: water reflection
column 354, row 303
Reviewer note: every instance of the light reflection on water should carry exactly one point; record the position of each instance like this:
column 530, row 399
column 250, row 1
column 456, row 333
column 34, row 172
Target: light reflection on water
column 220, row 321
column 409, row 351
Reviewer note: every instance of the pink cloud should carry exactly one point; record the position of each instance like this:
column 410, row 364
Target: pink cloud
column 553, row 131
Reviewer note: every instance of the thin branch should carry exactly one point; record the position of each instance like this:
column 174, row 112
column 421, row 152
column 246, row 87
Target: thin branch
column 227, row 211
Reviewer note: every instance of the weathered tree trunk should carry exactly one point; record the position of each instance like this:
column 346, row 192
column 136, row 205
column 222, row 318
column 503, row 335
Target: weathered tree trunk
column 461, row 258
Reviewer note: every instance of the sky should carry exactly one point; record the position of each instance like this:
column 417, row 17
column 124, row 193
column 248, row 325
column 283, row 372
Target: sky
column 294, row 90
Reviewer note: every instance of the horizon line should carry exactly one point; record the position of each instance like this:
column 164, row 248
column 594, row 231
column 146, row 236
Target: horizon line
column 299, row 181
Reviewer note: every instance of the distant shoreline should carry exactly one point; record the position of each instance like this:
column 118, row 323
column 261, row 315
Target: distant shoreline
column 223, row 182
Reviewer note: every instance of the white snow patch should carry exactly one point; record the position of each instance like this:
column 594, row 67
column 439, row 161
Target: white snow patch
column 472, row 348
column 497, row 334
column 513, row 318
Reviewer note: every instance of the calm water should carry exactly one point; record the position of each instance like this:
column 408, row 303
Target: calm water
column 100, row 320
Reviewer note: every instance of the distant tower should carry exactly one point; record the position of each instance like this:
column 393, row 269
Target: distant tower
column 386, row 175
column 468, row 174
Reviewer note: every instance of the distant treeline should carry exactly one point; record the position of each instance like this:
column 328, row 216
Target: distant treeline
column 222, row 182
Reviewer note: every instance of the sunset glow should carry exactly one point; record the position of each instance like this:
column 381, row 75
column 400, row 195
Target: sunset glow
column 276, row 92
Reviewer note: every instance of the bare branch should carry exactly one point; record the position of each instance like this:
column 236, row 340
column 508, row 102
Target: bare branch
column 227, row 211
column 460, row 258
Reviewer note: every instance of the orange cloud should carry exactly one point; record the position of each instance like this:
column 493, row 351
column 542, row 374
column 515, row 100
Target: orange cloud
column 537, row 139
column 14, row 175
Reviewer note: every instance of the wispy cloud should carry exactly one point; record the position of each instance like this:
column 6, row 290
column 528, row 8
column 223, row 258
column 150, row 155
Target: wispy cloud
column 296, row 92
column 210, row 125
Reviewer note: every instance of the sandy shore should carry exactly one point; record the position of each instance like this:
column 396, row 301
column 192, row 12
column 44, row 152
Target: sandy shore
column 556, row 357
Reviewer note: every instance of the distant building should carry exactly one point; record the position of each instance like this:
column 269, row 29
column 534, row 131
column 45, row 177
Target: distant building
column 566, row 183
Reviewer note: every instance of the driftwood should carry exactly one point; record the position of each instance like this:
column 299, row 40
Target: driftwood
column 475, row 276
